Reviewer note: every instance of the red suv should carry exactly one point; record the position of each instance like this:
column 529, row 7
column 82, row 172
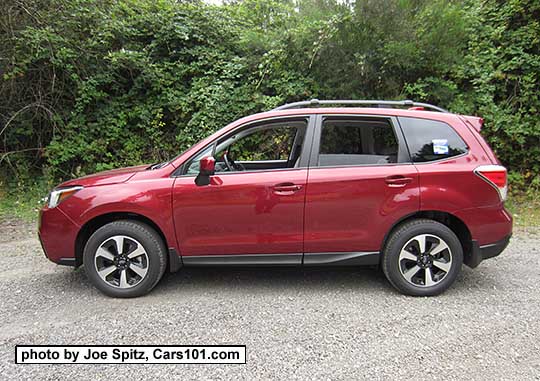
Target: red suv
column 417, row 192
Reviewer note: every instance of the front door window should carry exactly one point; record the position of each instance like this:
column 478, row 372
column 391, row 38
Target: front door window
column 268, row 146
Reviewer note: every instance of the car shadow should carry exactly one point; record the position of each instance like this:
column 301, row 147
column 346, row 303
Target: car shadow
column 268, row 279
column 367, row 280
column 290, row 280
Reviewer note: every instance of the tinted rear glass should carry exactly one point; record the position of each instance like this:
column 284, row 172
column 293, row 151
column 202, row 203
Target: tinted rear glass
column 357, row 142
column 430, row 140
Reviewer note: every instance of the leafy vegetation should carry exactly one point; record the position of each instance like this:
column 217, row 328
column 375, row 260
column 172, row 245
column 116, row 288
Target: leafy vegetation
column 87, row 85
column 22, row 204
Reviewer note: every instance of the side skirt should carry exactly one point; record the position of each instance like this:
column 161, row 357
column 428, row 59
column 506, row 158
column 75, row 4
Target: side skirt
column 293, row 259
column 360, row 258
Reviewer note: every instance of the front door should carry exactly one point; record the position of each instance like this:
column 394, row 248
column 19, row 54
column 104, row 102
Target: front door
column 252, row 210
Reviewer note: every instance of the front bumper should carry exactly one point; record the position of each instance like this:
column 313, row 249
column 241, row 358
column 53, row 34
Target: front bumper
column 57, row 234
column 479, row 253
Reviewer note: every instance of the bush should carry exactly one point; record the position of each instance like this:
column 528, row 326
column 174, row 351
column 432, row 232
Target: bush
column 92, row 85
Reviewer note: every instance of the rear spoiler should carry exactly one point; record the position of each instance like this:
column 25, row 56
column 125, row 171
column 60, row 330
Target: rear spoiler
column 473, row 121
column 476, row 123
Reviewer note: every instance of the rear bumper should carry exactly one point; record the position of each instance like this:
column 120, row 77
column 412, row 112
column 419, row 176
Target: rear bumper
column 479, row 253
column 490, row 228
column 487, row 224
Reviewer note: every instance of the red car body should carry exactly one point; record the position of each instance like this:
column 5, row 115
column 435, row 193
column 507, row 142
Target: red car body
column 328, row 210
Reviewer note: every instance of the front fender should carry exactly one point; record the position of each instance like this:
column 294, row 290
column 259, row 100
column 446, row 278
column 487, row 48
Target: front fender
column 148, row 198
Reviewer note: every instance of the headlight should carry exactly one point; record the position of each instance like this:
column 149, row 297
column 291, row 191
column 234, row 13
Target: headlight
column 59, row 195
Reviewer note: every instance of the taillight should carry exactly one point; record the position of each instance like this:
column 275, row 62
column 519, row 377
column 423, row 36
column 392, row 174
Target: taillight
column 494, row 175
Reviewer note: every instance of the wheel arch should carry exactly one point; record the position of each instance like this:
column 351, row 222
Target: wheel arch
column 96, row 222
column 453, row 222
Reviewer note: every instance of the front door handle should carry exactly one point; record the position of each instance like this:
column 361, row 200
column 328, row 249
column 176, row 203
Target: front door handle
column 286, row 188
column 398, row 181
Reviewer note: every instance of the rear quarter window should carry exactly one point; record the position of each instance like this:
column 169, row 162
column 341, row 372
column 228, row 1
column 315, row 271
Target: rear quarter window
column 430, row 140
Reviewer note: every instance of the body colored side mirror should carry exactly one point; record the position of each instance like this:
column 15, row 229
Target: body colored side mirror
column 207, row 167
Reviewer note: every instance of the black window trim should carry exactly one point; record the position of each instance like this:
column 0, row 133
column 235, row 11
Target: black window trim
column 304, row 155
column 404, row 157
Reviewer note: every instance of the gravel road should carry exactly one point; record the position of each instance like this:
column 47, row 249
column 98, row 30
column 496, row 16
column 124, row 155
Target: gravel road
column 297, row 324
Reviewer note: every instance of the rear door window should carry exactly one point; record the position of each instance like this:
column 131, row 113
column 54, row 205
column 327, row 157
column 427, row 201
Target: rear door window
column 430, row 140
column 350, row 141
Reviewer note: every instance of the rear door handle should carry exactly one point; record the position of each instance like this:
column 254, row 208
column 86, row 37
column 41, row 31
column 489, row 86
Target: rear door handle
column 286, row 188
column 398, row 181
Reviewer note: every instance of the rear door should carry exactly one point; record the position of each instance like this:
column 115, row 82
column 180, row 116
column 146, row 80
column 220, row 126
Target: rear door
column 360, row 182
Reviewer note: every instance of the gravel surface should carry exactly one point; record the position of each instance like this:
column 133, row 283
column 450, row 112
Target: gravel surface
column 297, row 324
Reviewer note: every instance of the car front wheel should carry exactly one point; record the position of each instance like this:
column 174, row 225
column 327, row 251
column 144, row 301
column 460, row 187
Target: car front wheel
column 125, row 258
column 422, row 258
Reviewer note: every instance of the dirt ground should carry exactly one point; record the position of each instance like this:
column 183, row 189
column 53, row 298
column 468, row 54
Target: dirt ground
column 296, row 324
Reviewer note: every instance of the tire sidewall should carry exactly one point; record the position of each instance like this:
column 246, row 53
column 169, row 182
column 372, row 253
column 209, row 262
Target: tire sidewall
column 401, row 237
column 151, row 243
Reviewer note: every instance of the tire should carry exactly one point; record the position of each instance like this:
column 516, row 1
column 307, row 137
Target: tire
column 422, row 273
column 133, row 271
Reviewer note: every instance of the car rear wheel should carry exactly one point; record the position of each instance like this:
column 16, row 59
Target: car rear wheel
column 125, row 258
column 422, row 258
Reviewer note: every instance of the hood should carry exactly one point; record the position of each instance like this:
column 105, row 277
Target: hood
column 114, row 176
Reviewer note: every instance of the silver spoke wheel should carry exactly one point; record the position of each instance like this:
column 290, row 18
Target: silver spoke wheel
column 425, row 260
column 121, row 261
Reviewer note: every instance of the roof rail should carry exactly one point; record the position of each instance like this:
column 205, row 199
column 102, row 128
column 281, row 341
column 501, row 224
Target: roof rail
column 316, row 102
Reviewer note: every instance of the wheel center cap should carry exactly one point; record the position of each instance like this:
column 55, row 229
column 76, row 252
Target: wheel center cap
column 424, row 261
column 122, row 261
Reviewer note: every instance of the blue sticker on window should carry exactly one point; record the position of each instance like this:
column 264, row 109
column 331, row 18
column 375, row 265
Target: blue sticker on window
column 440, row 146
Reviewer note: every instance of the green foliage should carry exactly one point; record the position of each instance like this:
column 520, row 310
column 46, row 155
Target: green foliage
column 502, row 73
column 23, row 200
column 135, row 81
column 87, row 85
